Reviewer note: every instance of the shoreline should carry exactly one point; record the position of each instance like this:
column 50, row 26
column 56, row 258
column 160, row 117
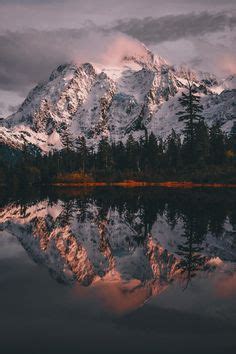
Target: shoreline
column 133, row 184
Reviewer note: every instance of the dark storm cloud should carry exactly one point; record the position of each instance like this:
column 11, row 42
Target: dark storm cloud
column 169, row 28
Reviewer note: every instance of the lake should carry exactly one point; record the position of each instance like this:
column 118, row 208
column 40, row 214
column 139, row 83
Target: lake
column 118, row 270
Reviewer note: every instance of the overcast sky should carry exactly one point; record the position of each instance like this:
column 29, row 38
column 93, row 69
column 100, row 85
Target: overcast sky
column 37, row 35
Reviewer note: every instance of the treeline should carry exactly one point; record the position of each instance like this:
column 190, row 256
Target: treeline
column 199, row 154
column 211, row 157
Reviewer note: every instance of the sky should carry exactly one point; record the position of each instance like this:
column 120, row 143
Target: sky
column 38, row 35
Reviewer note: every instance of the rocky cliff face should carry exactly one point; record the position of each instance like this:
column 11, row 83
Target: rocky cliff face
column 93, row 101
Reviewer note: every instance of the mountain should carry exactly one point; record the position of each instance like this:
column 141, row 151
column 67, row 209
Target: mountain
column 95, row 100
column 91, row 244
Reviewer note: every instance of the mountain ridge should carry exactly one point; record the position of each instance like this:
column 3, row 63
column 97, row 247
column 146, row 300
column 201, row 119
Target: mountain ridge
column 97, row 100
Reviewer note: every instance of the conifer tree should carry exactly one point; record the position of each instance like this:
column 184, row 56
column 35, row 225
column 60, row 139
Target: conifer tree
column 173, row 153
column 201, row 143
column 190, row 250
column 104, row 155
column 133, row 153
column 119, row 156
column 68, row 144
column 231, row 144
column 82, row 151
column 217, row 144
column 152, row 151
column 191, row 112
column 232, row 137
column 67, row 139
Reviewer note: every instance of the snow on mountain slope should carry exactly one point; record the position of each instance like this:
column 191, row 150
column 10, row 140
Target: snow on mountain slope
column 55, row 101
column 217, row 107
column 221, row 107
column 95, row 100
column 226, row 84
column 18, row 136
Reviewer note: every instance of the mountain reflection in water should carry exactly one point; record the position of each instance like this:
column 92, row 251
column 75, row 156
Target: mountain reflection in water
column 126, row 246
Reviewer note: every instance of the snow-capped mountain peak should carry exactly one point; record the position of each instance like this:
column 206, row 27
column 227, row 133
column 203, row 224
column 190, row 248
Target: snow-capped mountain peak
column 93, row 100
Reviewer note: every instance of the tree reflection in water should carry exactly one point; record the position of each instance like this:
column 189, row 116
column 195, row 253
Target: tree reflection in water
column 137, row 240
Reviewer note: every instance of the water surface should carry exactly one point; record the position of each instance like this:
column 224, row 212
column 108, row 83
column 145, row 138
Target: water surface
column 112, row 270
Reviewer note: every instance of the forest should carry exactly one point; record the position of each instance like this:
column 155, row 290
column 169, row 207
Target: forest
column 199, row 154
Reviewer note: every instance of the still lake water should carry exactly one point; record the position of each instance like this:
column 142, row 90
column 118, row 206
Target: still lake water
column 113, row 270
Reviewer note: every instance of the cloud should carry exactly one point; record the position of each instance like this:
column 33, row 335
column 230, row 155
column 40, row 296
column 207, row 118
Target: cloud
column 27, row 2
column 13, row 108
column 118, row 47
column 26, row 57
column 211, row 55
column 227, row 63
column 213, row 2
column 18, row 14
column 173, row 27
column 29, row 57
column 9, row 101
column 107, row 2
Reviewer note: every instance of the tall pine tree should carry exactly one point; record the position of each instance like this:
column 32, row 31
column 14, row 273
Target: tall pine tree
column 82, row 151
column 191, row 114
column 217, row 145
